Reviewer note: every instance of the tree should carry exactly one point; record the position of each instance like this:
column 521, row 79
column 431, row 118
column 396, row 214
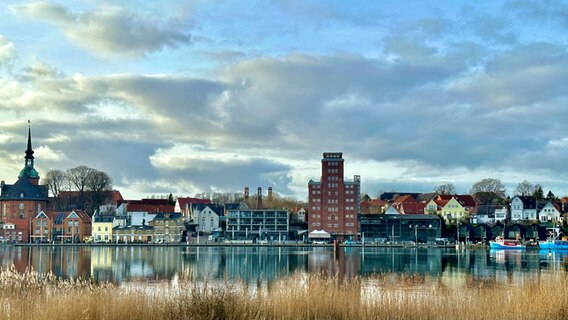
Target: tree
column 171, row 200
column 56, row 181
column 550, row 196
column 98, row 183
column 538, row 192
column 78, row 178
column 525, row 188
column 446, row 188
column 488, row 190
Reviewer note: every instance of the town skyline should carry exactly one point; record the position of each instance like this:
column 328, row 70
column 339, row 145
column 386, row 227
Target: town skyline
column 213, row 96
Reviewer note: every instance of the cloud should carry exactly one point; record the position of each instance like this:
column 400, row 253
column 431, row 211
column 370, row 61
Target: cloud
column 111, row 31
column 6, row 50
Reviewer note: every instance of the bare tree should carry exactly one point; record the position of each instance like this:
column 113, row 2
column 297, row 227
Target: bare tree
column 98, row 183
column 488, row 190
column 525, row 188
column 56, row 180
column 446, row 188
column 78, row 178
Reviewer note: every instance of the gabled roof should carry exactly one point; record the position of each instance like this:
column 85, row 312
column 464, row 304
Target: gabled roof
column 405, row 199
column 465, row 200
column 218, row 209
column 59, row 217
column 529, row 202
column 24, row 187
column 426, row 197
column 184, row 202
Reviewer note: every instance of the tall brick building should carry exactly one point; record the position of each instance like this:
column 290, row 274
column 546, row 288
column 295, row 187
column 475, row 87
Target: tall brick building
column 334, row 203
column 23, row 200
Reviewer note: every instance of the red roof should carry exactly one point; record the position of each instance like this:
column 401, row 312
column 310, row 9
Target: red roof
column 465, row 200
column 135, row 207
column 183, row 202
column 405, row 199
column 412, row 208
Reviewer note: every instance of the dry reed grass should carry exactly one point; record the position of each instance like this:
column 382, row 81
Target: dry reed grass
column 34, row 296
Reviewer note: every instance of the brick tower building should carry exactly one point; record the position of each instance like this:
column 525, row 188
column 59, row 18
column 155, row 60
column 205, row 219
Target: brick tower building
column 334, row 203
column 23, row 200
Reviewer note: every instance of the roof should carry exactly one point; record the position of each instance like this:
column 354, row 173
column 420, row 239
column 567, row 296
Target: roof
column 426, row 197
column 143, row 207
column 59, row 217
column 400, row 217
column 183, row 202
column 25, row 187
column 373, row 203
column 103, row 219
column 529, row 202
column 465, row 200
column 389, row 196
column 405, row 199
column 232, row 206
column 168, row 215
column 218, row 209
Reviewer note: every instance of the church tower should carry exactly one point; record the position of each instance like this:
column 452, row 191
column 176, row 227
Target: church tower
column 29, row 171
column 22, row 201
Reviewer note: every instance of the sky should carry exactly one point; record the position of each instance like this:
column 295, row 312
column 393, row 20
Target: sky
column 212, row 96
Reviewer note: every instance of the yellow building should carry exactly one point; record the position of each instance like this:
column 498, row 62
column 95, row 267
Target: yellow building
column 102, row 228
column 458, row 207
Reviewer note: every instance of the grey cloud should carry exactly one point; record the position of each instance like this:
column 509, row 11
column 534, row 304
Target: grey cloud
column 111, row 31
column 212, row 175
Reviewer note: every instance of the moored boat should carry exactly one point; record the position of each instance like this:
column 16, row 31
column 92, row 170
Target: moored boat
column 552, row 242
column 500, row 243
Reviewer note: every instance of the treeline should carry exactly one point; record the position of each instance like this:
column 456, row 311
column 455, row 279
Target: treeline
column 90, row 185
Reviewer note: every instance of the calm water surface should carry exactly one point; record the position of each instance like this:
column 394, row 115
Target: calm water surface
column 251, row 264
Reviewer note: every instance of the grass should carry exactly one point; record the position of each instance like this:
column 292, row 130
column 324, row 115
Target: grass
column 30, row 295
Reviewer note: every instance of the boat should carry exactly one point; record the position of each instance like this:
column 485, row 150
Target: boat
column 501, row 243
column 552, row 242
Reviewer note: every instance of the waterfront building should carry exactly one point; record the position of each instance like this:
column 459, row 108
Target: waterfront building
column 457, row 207
column 102, row 227
column 130, row 233
column 408, row 205
column 548, row 211
column 167, row 227
column 334, row 203
column 23, row 200
column 183, row 205
column 374, row 206
column 523, row 208
column 263, row 224
column 41, row 228
column 76, row 226
column 490, row 213
column 206, row 216
column 401, row 227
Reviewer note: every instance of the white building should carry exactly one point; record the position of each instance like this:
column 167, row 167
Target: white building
column 207, row 216
column 549, row 213
column 523, row 208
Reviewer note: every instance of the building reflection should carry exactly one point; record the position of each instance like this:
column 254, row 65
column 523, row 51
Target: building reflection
column 266, row 264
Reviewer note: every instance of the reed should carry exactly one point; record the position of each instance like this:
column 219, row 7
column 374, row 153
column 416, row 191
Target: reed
column 30, row 295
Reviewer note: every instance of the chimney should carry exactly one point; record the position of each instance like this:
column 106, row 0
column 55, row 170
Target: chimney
column 269, row 194
column 246, row 193
column 2, row 183
column 259, row 198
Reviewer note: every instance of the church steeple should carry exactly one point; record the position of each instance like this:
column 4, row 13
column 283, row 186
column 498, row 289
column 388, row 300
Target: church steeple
column 28, row 171
column 29, row 150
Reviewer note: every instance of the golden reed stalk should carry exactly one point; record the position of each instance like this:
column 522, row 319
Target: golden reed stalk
column 30, row 295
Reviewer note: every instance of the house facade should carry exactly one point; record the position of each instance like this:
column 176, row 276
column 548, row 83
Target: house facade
column 167, row 227
column 523, row 208
column 549, row 212
column 102, row 227
column 207, row 216
column 42, row 228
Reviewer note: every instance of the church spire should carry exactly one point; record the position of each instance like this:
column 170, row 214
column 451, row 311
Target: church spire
column 29, row 150
column 29, row 171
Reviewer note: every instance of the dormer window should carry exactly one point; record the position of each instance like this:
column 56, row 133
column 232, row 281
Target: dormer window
column 21, row 194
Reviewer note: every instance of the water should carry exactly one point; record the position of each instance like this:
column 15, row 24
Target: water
column 252, row 264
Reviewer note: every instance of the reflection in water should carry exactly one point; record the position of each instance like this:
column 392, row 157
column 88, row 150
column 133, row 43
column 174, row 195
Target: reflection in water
column 265, row 264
